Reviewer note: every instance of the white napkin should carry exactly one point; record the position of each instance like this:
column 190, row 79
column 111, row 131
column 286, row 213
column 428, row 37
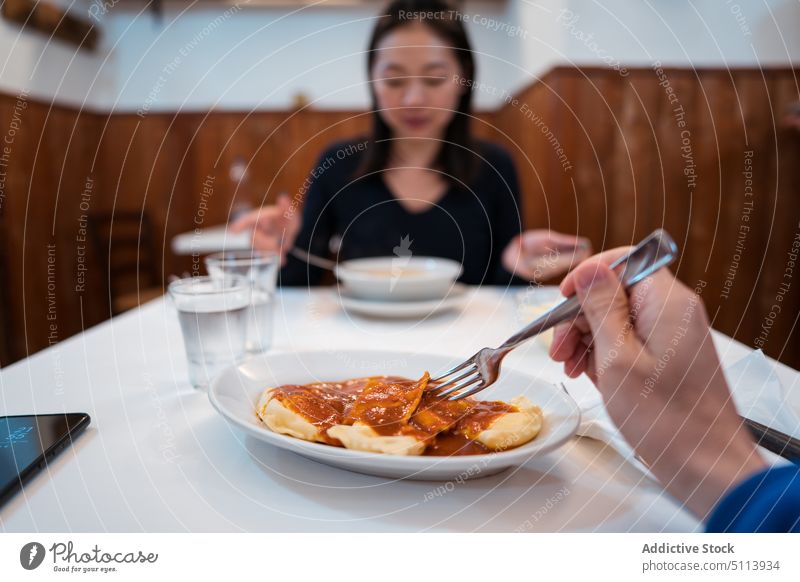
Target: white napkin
column 597, row 424
column 757, row 392
column 760, row 396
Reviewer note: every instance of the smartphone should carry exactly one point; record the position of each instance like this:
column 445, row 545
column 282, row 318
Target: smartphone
column 27, row 443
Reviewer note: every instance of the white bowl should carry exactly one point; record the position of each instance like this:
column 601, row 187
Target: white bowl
column 235, row 393
column 398, row 278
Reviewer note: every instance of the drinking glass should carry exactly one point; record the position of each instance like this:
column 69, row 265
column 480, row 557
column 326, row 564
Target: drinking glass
column 213, row 318
column 260, row 269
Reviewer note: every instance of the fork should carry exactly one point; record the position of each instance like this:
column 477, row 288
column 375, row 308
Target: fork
column 481, row 370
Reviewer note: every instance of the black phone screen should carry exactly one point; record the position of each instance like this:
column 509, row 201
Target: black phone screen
column 28, row 442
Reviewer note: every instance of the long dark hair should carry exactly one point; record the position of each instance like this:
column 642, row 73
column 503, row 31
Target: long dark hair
column 454, row 159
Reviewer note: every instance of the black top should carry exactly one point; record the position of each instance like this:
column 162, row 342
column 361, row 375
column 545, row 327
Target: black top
column 470, row 225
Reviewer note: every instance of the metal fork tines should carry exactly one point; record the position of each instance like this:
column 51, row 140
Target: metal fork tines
column 481, row 370
column 469, row 378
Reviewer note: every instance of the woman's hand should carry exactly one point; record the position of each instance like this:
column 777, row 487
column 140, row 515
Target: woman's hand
column 652, row 358
column 538, row 255
column 274, row 227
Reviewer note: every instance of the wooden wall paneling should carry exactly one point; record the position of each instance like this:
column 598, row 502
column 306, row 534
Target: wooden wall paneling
column 5, row 275
column 47, row 171
column 173, row 194
column 646, row 156
column 190, row 204
column 304, row 136
column 124, row 169
column 129, row 177
column 212, row 142
column 620, row 135
column 542, row 203
column 31, row 206
column 673, row 198
column 566, row 126
column 635, row 162
column 557, row 202
column 299, row 147
column 270, row 146
column 622, row 208
column 72, row 142
column 495, row 128
column 742, row 314
column 648, row 178
column 545, row 205
column 8, row 325
column 683, row 118
column 750, row 290
column 526, row 170
column 212, row 145
column 11, row 220
column 557, row 113
column 721, row 215
column 780, row 290
column 597, row 108
column 485, row 126
column 321, row 129
column 168, row 188
column 786, row 91
column 712, row 142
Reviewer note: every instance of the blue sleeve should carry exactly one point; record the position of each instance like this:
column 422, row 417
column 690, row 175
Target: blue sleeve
column 768, row 501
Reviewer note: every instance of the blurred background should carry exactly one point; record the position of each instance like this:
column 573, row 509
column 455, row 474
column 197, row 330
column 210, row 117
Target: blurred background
column 126, row 123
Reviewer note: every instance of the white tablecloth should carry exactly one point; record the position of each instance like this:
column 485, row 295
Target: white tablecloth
column 157, row 457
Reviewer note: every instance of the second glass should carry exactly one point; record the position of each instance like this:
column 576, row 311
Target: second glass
column 261, row 270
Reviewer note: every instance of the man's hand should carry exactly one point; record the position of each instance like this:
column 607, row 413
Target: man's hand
column 652, row 358
column 274, row 227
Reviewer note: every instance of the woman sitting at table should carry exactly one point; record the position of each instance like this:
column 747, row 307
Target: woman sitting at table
column 420, row 184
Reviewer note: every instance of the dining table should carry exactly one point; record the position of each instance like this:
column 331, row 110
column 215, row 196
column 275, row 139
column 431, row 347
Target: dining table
column 157, row 457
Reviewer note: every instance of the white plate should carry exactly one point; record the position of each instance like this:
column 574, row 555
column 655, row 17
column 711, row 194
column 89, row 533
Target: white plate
column 234, row 394
column 398, row 278
column 403, row 309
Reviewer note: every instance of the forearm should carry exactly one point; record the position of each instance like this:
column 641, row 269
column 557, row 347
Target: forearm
column 699, row 461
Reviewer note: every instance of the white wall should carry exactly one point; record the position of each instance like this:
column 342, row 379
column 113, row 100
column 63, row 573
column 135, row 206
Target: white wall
column 699, row 33
column 261, row 57
column 631, row 33
column 229, row 58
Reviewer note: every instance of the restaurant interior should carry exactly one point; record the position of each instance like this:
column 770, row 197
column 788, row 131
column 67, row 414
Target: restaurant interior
column 428, row 176
column 158, row 118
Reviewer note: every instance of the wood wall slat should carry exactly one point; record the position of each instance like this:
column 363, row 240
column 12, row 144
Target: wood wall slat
column 787, row 338
column 640, row 182
column 597, row 111
column 742, row 312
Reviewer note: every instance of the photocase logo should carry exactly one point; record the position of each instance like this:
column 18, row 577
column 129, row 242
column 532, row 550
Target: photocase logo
column 31, row 555
column 402, row 255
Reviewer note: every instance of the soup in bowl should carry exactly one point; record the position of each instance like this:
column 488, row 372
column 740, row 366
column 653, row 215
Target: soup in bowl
column 398, row 278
